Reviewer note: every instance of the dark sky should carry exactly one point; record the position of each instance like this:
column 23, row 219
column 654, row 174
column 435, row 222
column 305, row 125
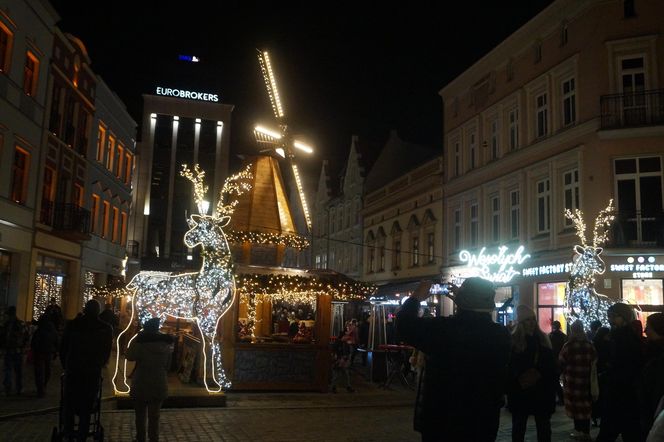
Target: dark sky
column 344, row 67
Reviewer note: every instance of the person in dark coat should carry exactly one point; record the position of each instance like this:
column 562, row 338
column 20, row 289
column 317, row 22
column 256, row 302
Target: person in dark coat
column 86, row 347
column 44, row 346
column 109, row 317
column 620, row 411
column 152, row 352
column 53, row 313
column 532, row 377
column 13, row 339
column 558, row 340
column 602, row 348
column 463, row 385
column 651, row 388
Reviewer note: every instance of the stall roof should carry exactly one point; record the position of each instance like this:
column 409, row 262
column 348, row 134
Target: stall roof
column 402, row 288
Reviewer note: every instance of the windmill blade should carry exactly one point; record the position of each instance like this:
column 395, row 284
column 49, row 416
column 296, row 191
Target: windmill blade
column 270, row 83
column 300, row 191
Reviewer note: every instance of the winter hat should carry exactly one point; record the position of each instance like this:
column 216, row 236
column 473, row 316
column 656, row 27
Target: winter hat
column 656, row 322
column 151, row 325
column 524, row 312
column 623, row 310
column 476, row 294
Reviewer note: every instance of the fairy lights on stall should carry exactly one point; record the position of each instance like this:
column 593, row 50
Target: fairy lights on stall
column 294, row 241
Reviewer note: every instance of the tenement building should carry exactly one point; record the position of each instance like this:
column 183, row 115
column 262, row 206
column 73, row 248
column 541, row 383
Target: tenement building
column 566, row 113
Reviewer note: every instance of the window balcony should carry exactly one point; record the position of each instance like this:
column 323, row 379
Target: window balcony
column 637, row 229
column 637, row 109
column 67, row 220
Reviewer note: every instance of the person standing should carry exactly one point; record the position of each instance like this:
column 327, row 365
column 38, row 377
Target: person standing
column 152, row 352
column 44, row 345
column 85, row 349
column 558, row 340
column 532, row 377
column 463, row 387
column 13, row 339
column 54, row 314
column 602, row 349
column 576, row 359
column 620, row 411
column 651, row 388
column 109, row 317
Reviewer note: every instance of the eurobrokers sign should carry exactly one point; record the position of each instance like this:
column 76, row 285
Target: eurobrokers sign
column 191, row 95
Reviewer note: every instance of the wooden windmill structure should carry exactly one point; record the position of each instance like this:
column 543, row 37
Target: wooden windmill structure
column 281, row 141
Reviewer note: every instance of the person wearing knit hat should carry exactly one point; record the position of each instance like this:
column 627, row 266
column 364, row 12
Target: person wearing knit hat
column 532, row 381
column 620, row 412
column 461, row 391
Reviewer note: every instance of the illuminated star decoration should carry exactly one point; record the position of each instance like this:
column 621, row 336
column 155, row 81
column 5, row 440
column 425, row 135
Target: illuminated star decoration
column 204, row 296
column 581, row 300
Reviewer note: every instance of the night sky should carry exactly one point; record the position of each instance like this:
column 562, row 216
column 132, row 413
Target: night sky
column 343, row 67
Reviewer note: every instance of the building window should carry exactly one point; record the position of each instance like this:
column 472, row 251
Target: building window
column 457, row 229
column 569, row 102
column 629, row 8
column 510, row 70
column 415, row 242
column 20, row 170
column 633, row 85
column 431, row 247
column 318, row 262
column 474, row 225
column 48, row 188
column 104, row 219
column 396, row 254
column 123, row 228
column 118, row 161
column 542, row 114
column 6, row 38
column 514, row 214
column 101, row 140
column 550, row 304
column 639, row 190
column 128, row 166
column 571, row 192
column 537, row 51
column 495, row 218
column 563, row 34
column 30, row 74
column 340, row 218
column 495, row 140
column 95, row 213
column 381, row 255
column 543, row 205
column 514, row 128
column 110, row 152
column 78, row 195
column 55, row 119
column 648, row 294
column 473, row 151
column 457, row 159
column 115, row 232
column 371, row 267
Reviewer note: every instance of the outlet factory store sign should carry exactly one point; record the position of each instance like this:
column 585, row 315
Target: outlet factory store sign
column 499, row 267
column 192, row 95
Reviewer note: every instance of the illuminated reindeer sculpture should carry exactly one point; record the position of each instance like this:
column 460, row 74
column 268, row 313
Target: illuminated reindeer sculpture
column 581, row 300
column 203, row 297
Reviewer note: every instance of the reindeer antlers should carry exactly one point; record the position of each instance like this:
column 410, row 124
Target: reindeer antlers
column 200, row 189
column 235, row 184
column 602, row 223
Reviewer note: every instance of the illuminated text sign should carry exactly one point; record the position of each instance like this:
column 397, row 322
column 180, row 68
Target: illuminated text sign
column 180, row 93
column 496, row 267
column 551, row 269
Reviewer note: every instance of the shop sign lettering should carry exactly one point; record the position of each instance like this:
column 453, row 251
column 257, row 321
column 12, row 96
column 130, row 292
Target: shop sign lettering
column 551, row 269
column 497, row 267
column 167, row 91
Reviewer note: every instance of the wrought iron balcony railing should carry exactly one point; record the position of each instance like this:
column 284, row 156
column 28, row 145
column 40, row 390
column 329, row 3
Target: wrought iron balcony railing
column 637, row 228
column 644, row 108
column 69, row 219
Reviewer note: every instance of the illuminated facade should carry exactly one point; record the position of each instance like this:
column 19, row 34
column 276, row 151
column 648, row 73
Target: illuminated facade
column 174, row 131
column 26, row 40
column 563, row 114
column 402, row 213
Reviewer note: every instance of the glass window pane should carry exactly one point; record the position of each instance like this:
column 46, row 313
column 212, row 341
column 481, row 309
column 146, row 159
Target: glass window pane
column 651, row 195
column 544, row 318
column 626, row 166
column 627, row 196
column 643, row 292
column 649, row 164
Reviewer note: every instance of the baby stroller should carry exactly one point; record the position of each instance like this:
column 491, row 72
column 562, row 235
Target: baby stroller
column 95, row 429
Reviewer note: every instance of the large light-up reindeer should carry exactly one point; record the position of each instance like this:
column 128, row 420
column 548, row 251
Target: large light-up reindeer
column 203, row 297
column 581, row 300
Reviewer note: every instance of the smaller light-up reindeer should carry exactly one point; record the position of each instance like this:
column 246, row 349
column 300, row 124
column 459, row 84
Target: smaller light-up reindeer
column 581, row 300
column 203, row 297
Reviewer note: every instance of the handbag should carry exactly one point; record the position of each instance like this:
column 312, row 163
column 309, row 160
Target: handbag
column 594, row 381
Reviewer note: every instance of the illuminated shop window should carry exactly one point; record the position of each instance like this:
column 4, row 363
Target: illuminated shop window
column 550, row 301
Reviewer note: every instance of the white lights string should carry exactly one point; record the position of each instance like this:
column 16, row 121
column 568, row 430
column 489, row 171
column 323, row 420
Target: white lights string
column 582, row 302
column 204, row 296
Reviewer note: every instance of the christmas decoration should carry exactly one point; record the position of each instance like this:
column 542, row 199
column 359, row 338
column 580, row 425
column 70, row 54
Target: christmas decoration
column 581, row 300
column 203, row 297
column 295, row 241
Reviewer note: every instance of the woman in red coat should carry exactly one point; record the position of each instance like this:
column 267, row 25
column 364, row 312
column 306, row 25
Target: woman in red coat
column 576, row 359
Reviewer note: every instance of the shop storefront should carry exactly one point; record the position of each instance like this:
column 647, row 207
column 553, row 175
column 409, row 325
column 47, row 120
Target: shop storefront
column 50, row 283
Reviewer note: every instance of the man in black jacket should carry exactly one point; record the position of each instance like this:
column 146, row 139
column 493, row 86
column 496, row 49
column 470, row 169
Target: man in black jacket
column 86, row 347
column 465, row 369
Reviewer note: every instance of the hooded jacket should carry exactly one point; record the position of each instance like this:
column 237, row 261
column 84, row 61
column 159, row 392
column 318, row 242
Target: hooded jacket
column 152, row 353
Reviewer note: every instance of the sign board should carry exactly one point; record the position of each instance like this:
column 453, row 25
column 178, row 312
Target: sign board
column 191, row 95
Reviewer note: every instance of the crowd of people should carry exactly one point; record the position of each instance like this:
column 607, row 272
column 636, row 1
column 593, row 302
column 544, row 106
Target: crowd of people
column 473, row 367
